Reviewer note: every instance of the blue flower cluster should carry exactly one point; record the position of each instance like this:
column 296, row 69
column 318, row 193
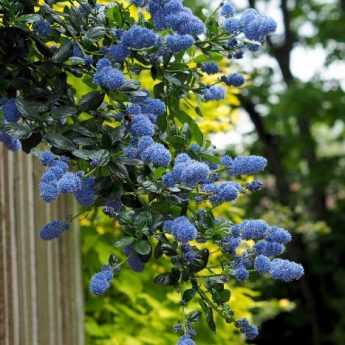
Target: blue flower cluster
column 213, row 93
column 270, row 241
column 173, row 15
column 210, row 67
column 244, row 165
column 250, row 331
column 234, row 79
column 177, row 43
column 107, row 76
column 185, row 340
column 10, row 142
column 100, row 282
column 252, row 24
column 222, row 192
column 138, row 37
column 182, row 229
column 187, row 171
column 11, row 113
column 53, row 230
column 57, row 180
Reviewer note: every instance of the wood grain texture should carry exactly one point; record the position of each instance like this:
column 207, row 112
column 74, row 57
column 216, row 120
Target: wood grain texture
column 41, row 300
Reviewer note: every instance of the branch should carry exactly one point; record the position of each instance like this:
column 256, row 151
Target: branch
column 271, row 144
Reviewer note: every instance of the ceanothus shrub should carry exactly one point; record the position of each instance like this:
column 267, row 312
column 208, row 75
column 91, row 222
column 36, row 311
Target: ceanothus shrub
column 137, row 154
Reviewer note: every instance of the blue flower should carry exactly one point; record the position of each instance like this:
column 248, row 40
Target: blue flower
column 193, row 173
column 262, row 264
column 53, row 229
column 230, row 244
column 182, row 229
column 234, row 79
column 227, row 10
column 189, row 254
column 157, row 154
column 11, row 113
column 213, row 93
column 210, row 67
column 69, row 183
column 248, row 165
column 286, row 270
column 99, row 284
column 46, row 158
column 279, row 235
column 177, row 43
column 117, row 52
column 112, row 208
column 169, row 180
column 138, row 37
column 241, row 273
column 227, row 191
column 131, row 152
column 255, row 185
column 250, row 331
column 227, row 161
column 142, row 126
column 232, row 26
column 152, row 106
column 42, row 27
column 184, row 22
column 144, row 143
column 270, row 249
column 49, row 191
column 86, row 195
column 10, row 142
column 186, row 340
column 108, row 77
column 253, row 229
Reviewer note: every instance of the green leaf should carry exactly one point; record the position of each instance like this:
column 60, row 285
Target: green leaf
column 188, row 295
column 91, row 101
column 124, row 242
column 142, row 247
column 102, row 157
column 60, row 141
column 193, row 126
column 63, row 53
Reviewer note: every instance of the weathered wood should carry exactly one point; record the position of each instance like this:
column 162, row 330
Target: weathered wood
column 41, row 299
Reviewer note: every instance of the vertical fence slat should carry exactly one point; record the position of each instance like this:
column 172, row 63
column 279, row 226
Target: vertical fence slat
column 40, row 282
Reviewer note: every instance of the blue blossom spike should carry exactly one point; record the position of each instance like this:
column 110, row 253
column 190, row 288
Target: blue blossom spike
column 250, row 331
column 138, row 37
column 10, row 142
column 286, row 270
column 11, row 113
column 99, row 284
column 241, row 273
column 177, row 43
column 53, row 230
column 213, row 93
column 228, row 10
column 142, row 126
column 186, row 340
column 182, row 229
column 262, row 264
column 69, row 183
column 210, row 67
column 86, row 195
column 248, row 165
column 234, row 79
column 157, row 154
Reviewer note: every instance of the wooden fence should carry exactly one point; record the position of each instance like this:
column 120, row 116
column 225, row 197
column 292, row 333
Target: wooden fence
column 41, row 300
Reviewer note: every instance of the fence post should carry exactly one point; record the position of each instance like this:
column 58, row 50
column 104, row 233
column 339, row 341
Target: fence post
column 41, row 300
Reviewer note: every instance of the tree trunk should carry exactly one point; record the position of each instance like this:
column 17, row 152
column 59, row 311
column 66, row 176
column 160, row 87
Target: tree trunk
column 41, row 299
